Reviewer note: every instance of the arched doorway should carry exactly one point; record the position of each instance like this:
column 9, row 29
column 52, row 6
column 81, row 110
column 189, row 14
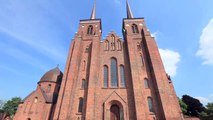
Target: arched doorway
column 114, row 112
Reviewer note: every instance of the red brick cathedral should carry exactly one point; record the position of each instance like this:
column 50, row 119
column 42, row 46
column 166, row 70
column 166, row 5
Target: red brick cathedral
column 110, row 79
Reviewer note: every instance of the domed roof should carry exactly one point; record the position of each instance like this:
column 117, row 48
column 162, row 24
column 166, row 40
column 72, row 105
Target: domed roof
column 54, row 75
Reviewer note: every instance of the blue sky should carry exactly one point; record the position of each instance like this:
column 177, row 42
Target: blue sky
column 35, row 36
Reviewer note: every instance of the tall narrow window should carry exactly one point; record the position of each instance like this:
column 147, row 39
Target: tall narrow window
column 113, row 42
column 114, row 73
column 135, row 28
column 84, row 65
column 105, row 76
column 113, row 38
column 80, row 106
column 35, row 99
column 33, row 106
column 146, row 84
column 119, row 45
column 90, row 30
column 107, row 45
column 83, row 84
column 150, row 104
column 122, row 76
column 49, row 88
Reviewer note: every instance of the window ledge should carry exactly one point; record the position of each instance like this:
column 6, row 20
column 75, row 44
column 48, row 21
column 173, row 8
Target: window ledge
column 151, row 113
column 105, row 88
column 123, row 88
column 114, row 88
column 110, row 88
column 79, row 113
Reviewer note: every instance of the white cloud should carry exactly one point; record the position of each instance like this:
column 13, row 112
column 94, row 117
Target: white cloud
column 170, row 59
column 154, row 34
column 203, row 100
column 206, row 44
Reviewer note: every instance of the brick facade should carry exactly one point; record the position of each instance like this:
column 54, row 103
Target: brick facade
column 139, row 55
column 146, row 93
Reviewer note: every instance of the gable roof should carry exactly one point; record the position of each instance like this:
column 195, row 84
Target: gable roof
column 49, row 98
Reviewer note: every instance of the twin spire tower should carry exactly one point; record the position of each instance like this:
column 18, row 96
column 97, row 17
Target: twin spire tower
column 106, row 79
column 128, row 10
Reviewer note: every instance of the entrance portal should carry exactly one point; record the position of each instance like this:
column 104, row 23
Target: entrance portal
column 114, row 112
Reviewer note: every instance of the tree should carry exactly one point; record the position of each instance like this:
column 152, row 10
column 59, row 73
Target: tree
column 183, row 106
column 194, row 106
column 203, row 114
column 208, row 114
column 11, row 106
column 209, row 108
column 2, row 102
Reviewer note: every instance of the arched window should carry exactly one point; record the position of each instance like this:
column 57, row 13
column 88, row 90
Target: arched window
column 83, row 84
column 107, row 45
column 150, row 104
column 90, row 30
column 84, row 65
column 119, row 44
column 146, row 83
column 49, row 88
column 114, row 73
column 135, row 28
column 113, row 43
column 113, row 38
column 80, row 106
column 122, row 76
column 105, row 76
column 35, row 99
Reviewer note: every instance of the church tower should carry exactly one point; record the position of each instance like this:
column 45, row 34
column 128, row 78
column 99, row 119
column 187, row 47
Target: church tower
column 115, row 79
column 110, row 79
